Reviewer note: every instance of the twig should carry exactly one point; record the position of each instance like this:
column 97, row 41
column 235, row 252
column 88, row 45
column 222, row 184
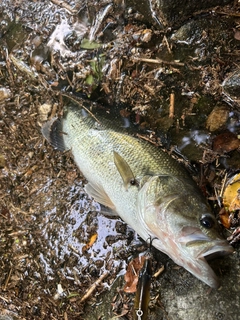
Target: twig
column 147, row 139
column 158, row 61
column 167, row 44
column 64, row 5
column 58, row 64
column 228, row 14
column 3, row 216
column 156, row 274
column 18, row 209
column 7, row 280
column 217, row 197
column 93, row 286
column 79, row 102
column 134, row 271
column 23, row 67
column 171, row 107
column 223, row 185
column 73, row 249
column 4, row 299
column 8, row 66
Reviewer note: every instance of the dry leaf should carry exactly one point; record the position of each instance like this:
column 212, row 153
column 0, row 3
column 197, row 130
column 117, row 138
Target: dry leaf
column 132, row 274
column 217, row 118
column 90, row 243
column 237, row 34
column 231, row 195
column 224, row 218
column 225, row 142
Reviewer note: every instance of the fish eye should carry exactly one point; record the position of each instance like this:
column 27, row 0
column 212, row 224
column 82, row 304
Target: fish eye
column 207, row 222
column 133, row 182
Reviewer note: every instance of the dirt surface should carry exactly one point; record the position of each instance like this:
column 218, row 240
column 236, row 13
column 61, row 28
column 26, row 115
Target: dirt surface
column 54, row 242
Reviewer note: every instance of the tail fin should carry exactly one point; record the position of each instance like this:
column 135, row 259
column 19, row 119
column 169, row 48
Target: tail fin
column 52, row 131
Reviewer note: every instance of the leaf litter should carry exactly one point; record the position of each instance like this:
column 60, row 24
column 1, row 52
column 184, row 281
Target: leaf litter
column 54, row 255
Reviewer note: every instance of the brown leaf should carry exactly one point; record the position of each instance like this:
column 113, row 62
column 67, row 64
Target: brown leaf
column 224, row 218
column 225, row 142
column 231, row 195
column 90, row 243
column 132, row 274
column 237, row 34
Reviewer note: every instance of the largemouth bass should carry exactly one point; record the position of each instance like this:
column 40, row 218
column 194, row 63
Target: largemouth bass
column 148, row 189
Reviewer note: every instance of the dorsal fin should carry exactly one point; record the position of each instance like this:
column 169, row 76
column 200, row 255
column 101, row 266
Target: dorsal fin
column 52, row 131
column 124, row 169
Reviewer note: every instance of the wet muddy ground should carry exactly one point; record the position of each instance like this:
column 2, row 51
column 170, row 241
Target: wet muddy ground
column 54, row 242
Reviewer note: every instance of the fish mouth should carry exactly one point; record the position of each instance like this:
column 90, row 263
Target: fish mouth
column 218, row 248
column 212, row 249
column 202, row 248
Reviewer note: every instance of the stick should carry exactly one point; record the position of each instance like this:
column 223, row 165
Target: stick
column 147, row 139
column 80, row 103
column 167, row 44
column 171, row 107
column 158, row 61
column 223, row 185
column 7, row 280
column 158, row 272
column 93, row 286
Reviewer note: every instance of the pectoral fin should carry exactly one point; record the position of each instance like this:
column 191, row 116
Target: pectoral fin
column 124, row 170
column 98, row 193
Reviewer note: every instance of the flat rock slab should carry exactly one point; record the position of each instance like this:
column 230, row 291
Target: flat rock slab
column 193, row 300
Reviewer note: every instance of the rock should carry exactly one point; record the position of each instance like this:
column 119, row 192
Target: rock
column 44, row 111
column 171, row 12
column 231, row 85
column 188, row 299
column 217, row 118
column 4, row 93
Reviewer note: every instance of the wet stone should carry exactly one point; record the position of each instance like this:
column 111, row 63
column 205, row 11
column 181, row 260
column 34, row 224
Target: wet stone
column 171, row 12
column 217, row 119
column 231, row 85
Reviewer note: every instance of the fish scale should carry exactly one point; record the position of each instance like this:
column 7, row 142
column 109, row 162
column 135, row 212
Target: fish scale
column 147, row 188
